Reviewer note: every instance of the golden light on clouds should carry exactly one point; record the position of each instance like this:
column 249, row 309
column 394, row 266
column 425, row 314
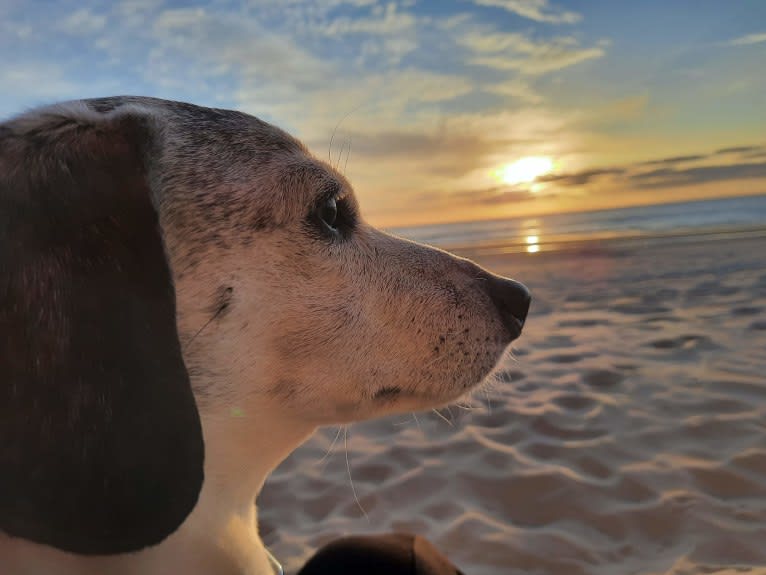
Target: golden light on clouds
column 525, row 170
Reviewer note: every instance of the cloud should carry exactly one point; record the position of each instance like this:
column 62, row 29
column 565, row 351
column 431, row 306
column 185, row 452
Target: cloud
column 595, row 181
column 495, row 196
column 392, row 100
column 664, row 178
column 675, row 160
column 37, row 82
column 741, row 150
column 83, row 22
column 618, row 112
column 669, row 175
column 387, row 32
column 756, row 154
column 271, row 66
column 748, row 40
column 580, row 178
column 13, row 31
column 435, row 156
column 386, row 21
column 491, row 195
column 481, row 41
column 537, row 10
column 516, row 51
column 290, row 74
column 443, row 153
column 400, row 143
column 547, row 61
column 515, row 88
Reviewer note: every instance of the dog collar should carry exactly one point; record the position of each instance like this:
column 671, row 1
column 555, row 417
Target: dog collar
column 276, row 565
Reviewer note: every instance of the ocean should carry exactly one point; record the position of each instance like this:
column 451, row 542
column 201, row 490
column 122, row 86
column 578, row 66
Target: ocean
column 677, row 222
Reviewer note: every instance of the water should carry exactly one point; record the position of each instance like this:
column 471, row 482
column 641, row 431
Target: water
column 688, row 221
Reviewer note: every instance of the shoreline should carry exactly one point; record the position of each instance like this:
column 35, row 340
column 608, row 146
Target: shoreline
column 604, row 241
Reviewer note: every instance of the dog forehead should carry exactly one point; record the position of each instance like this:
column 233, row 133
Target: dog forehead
column 234, row 147
column 229, row 136
column 193, row 131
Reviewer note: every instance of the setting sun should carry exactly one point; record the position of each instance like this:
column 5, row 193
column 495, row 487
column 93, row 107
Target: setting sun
column 526, row 169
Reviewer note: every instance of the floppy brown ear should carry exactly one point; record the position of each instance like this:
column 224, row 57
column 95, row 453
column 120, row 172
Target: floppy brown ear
column 101, row 446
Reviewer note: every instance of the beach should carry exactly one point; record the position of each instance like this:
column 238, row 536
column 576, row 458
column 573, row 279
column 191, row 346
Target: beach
column 627, row 435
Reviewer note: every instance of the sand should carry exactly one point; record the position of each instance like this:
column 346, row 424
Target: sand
column 628, row 436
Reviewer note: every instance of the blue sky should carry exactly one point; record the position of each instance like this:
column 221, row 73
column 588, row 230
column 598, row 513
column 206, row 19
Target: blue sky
column 432, row 99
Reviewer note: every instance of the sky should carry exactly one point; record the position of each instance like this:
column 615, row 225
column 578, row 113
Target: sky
column 433, row 108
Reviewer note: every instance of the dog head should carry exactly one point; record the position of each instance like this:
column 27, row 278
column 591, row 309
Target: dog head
column 162, row 260
column 305, row 306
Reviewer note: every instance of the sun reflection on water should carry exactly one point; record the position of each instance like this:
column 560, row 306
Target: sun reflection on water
column 533, row 244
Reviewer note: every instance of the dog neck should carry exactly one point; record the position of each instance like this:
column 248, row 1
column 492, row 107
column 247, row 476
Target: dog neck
column 241, row 450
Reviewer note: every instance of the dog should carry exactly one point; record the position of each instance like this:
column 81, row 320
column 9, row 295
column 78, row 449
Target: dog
column 186, row 294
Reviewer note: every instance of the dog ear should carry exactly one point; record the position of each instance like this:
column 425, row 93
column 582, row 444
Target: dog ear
column 101, row 448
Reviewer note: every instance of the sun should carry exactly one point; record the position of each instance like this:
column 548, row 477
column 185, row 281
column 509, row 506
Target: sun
column 526, row 170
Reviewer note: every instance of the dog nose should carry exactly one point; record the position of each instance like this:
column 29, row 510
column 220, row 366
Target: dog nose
column 511, row 299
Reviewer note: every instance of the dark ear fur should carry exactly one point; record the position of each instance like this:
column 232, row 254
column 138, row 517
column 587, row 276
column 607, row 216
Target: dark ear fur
column 101, row 446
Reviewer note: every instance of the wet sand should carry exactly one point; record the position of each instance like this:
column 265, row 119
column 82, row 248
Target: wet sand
column 627, row 437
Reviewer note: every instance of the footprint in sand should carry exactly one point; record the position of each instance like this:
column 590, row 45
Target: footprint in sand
column 602, row 378
column 746, row 311
column 662, row 319
column 758, row 325
column 592, row 467
column 566, row 357
column 712, row 289
column 556, row 342
column 585, row 322
column 528, row 387
column 640, row 308
column 546, row 427
column 574, row 402
column 685, row 342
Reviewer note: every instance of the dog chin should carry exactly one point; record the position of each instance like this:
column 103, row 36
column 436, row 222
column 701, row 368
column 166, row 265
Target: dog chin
column 397, row 398
column 387, row 402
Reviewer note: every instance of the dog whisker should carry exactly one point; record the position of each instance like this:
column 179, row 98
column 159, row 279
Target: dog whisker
column 336, row 165
column 447, row 421
column 489, row 401
column 348, row 153
column 465, row 407
column 329, row 450
column 332, row 137
column 348, row 467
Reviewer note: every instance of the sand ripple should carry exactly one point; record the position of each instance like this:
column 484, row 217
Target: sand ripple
column 629, row 437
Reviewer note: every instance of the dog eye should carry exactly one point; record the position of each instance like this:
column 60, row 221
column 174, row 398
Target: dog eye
column 328, row 212
column 334, row 217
